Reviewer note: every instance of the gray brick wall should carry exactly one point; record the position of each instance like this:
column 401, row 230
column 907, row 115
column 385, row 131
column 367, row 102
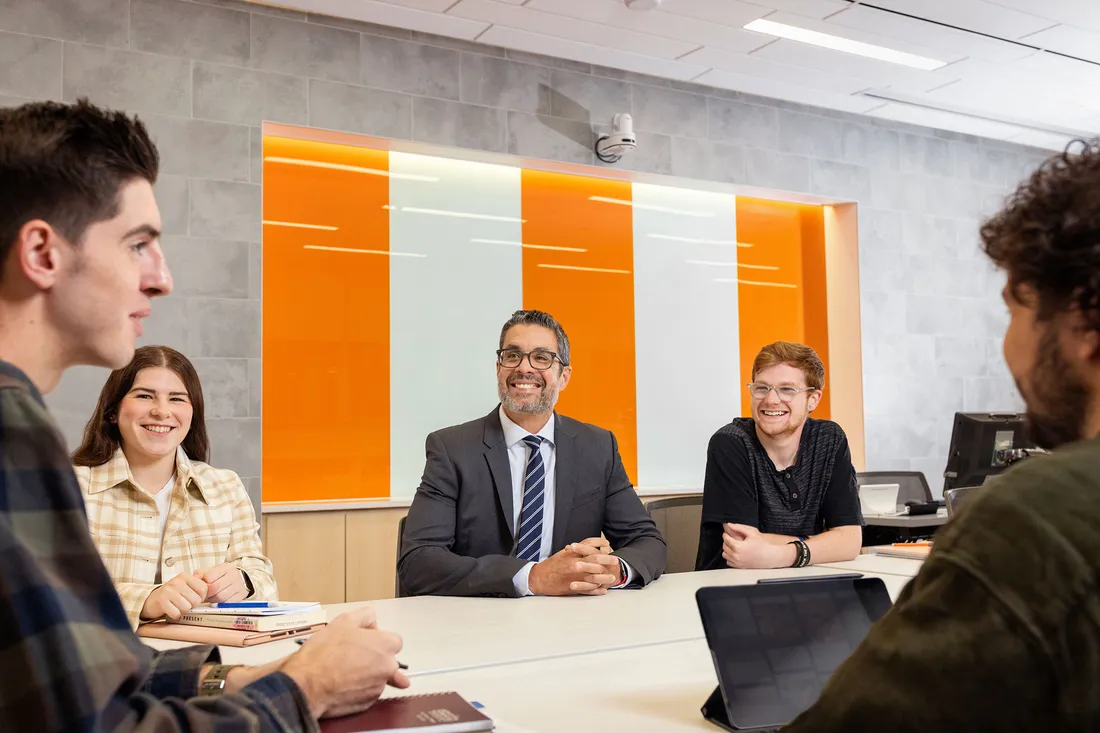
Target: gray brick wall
column 206, row 73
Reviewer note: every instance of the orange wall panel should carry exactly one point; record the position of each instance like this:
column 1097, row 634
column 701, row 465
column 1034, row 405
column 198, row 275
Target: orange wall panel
column 787, row 303
column 596, row 308
column 326, row 373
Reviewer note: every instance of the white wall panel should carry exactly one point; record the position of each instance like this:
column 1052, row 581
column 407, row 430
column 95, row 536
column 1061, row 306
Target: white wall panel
column 446, row 308
column 686, row 329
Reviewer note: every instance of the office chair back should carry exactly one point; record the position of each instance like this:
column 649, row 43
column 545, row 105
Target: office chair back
column 912, row 485
column 678, row 521
column 398, row 589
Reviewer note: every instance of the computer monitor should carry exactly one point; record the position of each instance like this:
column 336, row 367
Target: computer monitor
column 983, row 444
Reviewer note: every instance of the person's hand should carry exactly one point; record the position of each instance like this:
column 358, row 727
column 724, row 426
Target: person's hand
column 345, row 666
column 224, row 583
column 744, row 547
column 175, row 598
column 575, row 570
column 600, row 554
column 599, row 543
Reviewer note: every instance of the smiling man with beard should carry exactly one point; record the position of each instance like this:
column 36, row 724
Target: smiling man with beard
column 1000, row 630
column 780, row 489
column 514, row 503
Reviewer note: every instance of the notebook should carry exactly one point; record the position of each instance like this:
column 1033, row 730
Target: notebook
column 248, row 622
column 441, row 712
column 904, row 551
column 221, row 637
column 774, row 645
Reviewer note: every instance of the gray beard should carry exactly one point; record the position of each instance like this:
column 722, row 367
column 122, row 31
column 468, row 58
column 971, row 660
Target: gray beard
column 547, row 399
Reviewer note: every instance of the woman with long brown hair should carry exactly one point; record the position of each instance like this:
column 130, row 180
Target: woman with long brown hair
column 173, row 531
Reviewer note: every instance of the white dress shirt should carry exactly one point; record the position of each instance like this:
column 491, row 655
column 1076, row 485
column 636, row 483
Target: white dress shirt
column 517, row 462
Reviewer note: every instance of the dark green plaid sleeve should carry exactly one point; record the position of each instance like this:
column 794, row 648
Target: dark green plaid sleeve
column 68, row 658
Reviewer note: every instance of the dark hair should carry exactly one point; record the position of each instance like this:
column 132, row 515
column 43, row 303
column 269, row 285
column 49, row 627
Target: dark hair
column 66, row 164
column 798, row 356
column 539, row 318
column 101, row 435
column 1048, row 235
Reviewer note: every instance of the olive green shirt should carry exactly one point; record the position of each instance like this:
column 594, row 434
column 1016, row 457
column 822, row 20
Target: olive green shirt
column 1000, row 630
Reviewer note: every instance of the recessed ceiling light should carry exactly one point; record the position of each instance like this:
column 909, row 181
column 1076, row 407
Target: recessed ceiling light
column 643, row 4
column 836, row 43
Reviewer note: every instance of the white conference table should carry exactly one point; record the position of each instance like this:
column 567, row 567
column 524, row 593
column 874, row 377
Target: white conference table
column 656, row 688
column 444, row 635
column 878, row 565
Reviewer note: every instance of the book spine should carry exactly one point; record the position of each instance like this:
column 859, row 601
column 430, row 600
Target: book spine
column 244, row 623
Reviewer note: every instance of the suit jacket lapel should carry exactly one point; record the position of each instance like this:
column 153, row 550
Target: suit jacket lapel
column 496, row 455
column 565, row 479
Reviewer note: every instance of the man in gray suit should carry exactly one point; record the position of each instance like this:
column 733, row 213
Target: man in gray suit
column 514, row 503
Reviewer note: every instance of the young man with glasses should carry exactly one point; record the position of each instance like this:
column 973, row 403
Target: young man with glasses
column 780, row 489
column 514, row 503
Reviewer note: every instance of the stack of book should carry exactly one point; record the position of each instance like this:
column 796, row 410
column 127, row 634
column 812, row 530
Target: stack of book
column 240, row 624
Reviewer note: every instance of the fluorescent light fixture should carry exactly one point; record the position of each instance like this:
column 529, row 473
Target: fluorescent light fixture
column 363, row 251
column 528, row 246
column 387, row 207
column 461, row 214
column 759, row 267
column 586, row 269
column 351, row 169
column 836, row 43
column 753, row 282
column 652, row 207
column 695, row 240
column 299, row 225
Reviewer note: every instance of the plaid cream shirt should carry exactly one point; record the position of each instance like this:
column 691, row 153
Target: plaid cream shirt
column 211, row 521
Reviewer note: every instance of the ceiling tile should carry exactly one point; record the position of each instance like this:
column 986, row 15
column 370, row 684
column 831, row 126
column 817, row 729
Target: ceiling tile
column 827, row 60
column 398, row 16
column 522, row 40
column 1012, row 101
column 767, row 70
column 552, row 24
column 1068, row 40
column 667, row 25
column 975, row 15
column 1052, row 66
column 946, row 121
column 940, row 38
column 789, row 92
column 733, row 13
column 1081, row 13
column 810, row 8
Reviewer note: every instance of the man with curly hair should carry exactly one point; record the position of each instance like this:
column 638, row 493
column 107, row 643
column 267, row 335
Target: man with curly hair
column 1000, row 630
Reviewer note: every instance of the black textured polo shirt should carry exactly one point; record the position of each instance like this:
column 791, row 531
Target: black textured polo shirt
column 742, row 486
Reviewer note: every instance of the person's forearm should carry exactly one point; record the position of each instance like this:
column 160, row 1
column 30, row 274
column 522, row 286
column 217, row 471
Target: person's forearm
column 835, row 545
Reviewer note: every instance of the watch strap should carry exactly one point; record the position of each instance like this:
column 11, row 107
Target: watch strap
column 214, row 682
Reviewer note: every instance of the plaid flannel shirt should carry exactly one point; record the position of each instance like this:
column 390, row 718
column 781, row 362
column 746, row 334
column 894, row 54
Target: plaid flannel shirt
column 69, row 660
column 211, row 521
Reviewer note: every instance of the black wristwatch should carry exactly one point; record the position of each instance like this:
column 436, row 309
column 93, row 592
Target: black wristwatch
column 214, row 682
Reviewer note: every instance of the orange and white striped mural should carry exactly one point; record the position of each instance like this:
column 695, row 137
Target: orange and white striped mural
column 388, row 275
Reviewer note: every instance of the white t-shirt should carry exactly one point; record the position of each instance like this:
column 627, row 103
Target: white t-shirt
column 164, row 505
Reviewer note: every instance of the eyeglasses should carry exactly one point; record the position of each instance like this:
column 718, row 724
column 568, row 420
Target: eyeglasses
column 785, row 394
column 540, row 359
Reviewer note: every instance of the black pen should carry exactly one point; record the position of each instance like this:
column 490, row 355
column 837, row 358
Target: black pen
column 399, row 664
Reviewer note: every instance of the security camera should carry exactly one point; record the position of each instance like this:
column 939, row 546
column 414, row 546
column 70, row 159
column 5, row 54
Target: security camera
column 611, row 148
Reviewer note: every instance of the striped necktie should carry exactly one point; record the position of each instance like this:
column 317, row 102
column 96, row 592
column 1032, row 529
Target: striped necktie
column 530, row 517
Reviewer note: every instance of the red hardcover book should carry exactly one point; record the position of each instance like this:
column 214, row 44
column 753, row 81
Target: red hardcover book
column 441, row 712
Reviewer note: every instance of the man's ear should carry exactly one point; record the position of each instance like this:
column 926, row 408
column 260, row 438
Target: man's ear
column 37, row 253
column 813, row 401
column 1080, row 339
column 566, row 373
